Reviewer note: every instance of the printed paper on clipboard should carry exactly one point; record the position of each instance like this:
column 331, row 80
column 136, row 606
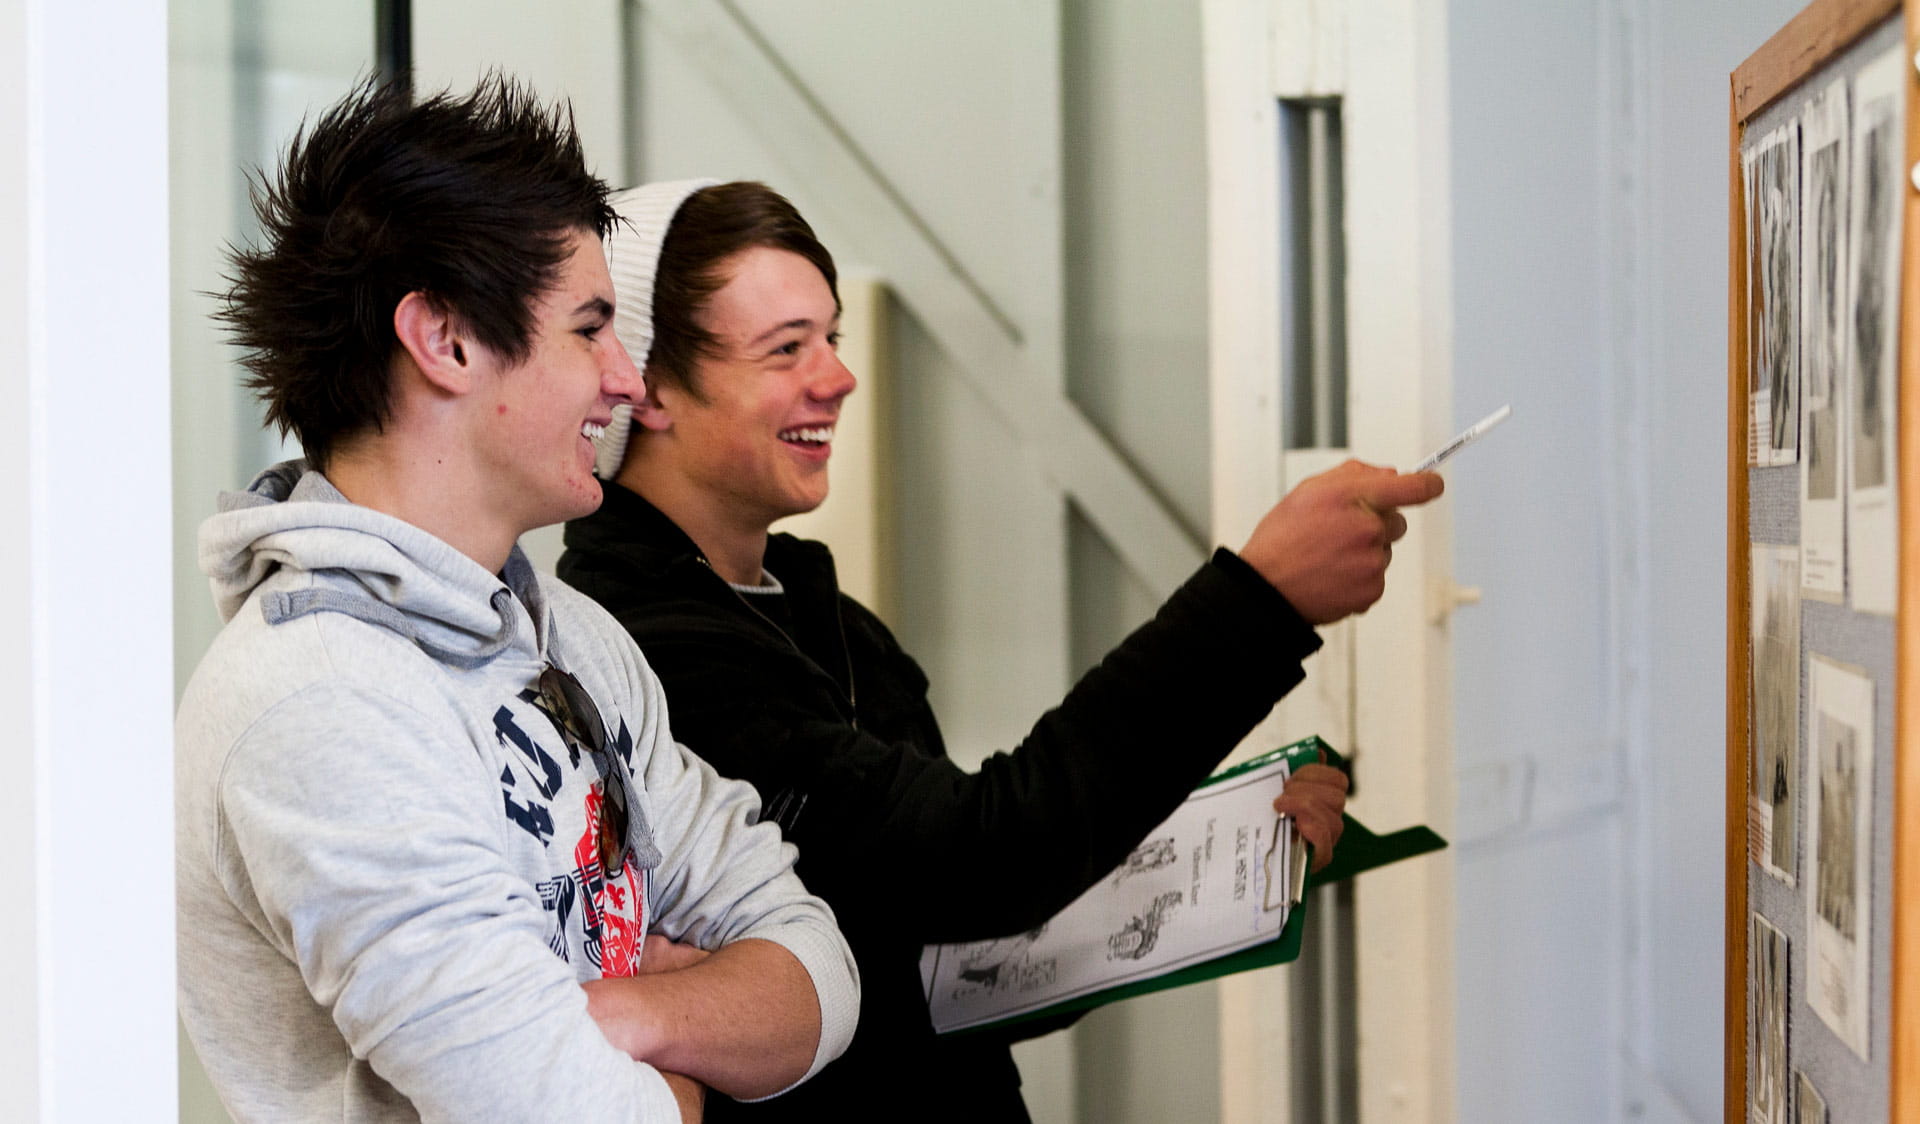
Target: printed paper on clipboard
column 1218, row 876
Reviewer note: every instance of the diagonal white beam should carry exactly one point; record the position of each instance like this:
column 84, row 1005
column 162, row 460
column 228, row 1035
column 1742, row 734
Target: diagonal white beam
column 981, row 339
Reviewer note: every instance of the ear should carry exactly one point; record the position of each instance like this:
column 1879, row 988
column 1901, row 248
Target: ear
column 650, row 411
column 433, row 340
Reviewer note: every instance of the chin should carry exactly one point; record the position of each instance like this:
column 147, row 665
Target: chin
column 586, row 501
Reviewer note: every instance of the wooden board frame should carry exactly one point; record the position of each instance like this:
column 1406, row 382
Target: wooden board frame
column 1800, row 49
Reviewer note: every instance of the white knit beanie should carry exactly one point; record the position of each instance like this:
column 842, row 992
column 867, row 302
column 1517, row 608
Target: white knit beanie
column 633, row 256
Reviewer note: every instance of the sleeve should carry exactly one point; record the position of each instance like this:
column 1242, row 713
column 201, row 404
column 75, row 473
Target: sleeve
column 357, row 825
column 726, row 876
column 909, row 841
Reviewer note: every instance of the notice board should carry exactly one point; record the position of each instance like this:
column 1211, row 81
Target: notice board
column 1823, row 633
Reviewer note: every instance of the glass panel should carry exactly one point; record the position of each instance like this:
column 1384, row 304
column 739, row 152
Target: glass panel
column 1313, row 322
column 242, row 75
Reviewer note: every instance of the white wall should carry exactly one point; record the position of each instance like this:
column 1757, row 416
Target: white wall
column 1689, row 49
column 86, row 938
column 1134, row 188
column 1589, row 199
column 1538, row 753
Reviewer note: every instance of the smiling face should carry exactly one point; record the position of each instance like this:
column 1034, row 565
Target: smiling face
column 749, row 442
column 537, row 418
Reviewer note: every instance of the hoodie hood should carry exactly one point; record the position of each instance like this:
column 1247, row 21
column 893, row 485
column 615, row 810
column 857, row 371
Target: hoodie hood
column 314, row 550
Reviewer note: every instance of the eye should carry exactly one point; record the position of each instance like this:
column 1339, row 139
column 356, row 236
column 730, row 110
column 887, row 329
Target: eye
column 833, row 340
column 791, row 347
column 591, row 331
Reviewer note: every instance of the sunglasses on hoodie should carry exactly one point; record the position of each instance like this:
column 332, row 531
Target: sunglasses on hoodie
column 574, row 712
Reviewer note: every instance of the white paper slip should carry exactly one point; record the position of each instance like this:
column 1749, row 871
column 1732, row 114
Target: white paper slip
column 1473, row 433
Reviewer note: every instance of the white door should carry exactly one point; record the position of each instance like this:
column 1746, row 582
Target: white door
column 1327, row 156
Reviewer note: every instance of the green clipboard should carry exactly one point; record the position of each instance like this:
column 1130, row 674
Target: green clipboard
column 1360, row 849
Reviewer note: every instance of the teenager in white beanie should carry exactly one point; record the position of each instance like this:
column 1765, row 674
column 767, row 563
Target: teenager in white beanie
column 633, row 253
column 776, row 676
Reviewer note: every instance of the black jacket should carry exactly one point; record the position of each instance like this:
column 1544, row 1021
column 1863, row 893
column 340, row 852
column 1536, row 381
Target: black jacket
column 829, row 719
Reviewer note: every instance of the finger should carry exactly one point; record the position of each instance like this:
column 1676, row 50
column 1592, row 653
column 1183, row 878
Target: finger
column 1304, row 799
column 1322, row 831
column 1317, row 826
column 1408, row 489
column 1317, row 773
column 1396, row 526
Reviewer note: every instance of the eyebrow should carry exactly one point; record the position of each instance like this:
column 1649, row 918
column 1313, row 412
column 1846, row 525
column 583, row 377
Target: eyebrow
column 598, row 306
column 802, row 323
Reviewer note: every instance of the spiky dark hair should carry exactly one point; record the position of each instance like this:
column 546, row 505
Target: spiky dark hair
column 469, row 200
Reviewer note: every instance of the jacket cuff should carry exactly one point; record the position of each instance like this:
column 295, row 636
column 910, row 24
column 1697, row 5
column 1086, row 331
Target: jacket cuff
column 1277, row 615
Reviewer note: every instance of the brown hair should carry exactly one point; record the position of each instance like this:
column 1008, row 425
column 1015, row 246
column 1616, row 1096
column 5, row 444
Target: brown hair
column 714, row 224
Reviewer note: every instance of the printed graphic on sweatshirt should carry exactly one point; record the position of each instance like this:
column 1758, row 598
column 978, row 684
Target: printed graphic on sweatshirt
column 599, row 917
column 615, row 907
column 529, row 809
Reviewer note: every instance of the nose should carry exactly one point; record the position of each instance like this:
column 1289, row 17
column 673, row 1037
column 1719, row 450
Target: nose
column 619, row 378
column 833, row 381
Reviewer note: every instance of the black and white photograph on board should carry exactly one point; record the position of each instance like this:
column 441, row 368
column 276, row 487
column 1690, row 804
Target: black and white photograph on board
column 1823, row 338
column 1772, row 172
column 1808, row 1106
column 1839, row 846
column 1773, row 838
column 1876, row 185
column 1833, row 818
column 1767, row 1022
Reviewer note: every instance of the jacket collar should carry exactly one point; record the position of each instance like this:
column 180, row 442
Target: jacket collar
column 653, row 561
column 628, row 523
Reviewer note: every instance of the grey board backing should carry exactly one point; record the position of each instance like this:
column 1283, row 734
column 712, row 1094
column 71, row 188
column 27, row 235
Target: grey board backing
column 1854, row 1090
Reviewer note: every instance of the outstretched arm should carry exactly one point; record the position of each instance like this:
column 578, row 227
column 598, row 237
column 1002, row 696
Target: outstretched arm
column 1325, row 546
column 902, row 840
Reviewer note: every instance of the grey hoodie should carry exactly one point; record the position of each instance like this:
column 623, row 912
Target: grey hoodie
column 388, row 887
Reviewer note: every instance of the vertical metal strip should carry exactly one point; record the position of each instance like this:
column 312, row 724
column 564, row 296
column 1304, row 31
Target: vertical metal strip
column 1313, row 373
column 1320, row 233
column 1344, row 1013
column 1307, row 1008
column 1323, row 996
column 1328, row 948
column 393, row 42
